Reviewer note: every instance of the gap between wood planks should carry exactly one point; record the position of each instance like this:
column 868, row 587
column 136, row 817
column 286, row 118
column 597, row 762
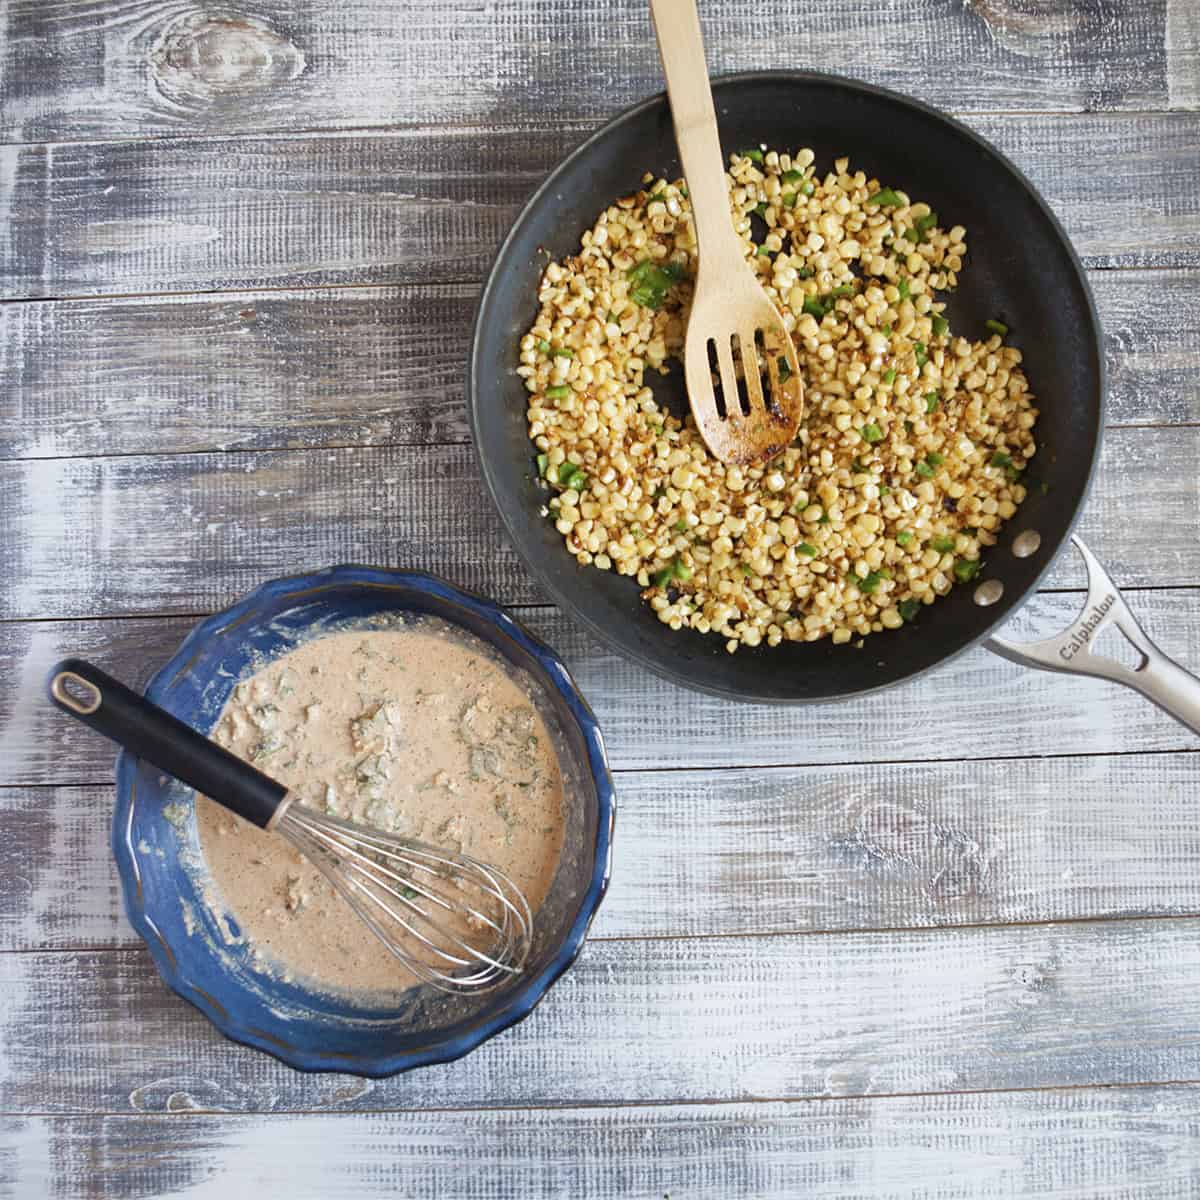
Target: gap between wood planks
column 374, row 285
column 583, row 129
column 734, row 935
column 201, row 615
column 400, row 444
column 446, row 280
column 355, row 233
column 592, row 1106
column 147, row 376
column 1031, row 1007
column 733, row 768
column 888, row 833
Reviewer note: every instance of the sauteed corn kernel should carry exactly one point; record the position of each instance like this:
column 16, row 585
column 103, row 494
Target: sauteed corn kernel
column 908, row 460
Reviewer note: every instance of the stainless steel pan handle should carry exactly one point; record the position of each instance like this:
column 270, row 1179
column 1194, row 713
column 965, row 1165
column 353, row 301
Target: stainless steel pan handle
column 1157, row 677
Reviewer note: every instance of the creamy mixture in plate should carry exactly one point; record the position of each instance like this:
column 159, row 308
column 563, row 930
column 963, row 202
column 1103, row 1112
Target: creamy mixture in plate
column 416, row 730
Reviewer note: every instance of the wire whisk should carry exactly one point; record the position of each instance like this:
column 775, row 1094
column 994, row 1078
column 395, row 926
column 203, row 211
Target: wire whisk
column 454, row 922
column 422, row 902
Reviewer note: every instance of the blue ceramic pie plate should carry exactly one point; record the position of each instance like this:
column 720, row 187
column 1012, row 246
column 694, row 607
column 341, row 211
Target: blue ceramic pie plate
column 198, row 949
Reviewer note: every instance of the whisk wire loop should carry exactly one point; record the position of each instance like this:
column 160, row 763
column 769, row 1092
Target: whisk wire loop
column 357, row 896
column 392, row 883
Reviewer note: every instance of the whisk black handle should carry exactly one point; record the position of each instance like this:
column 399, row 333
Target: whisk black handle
column 97, row 699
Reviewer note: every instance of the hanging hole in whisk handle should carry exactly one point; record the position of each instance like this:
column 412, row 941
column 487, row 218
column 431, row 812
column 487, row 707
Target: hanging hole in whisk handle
column 85, row 692
column 76, row 693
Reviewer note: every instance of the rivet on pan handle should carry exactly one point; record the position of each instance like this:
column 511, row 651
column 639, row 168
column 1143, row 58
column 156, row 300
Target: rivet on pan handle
column 1160, row 679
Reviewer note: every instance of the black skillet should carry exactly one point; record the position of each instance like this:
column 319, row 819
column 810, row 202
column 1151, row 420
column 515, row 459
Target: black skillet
column 1020, row 269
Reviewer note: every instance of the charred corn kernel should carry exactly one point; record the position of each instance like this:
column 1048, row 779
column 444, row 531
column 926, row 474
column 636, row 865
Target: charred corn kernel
column 808, row 546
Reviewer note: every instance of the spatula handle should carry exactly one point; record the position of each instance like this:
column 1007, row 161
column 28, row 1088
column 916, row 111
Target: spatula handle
column 681, row 48
column 106, row 705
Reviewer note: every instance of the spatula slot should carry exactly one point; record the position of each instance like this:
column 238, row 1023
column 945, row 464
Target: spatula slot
column 714, row 368
column 743, row 364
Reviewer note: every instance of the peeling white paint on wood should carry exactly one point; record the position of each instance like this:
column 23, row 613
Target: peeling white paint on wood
column 1090, row 1144
column 9, row 161
column 362, row 366
column 667, row 1020
column 1183, row 53
column 266, row 370
column 245, row 512
column 1152, row 376
column 432, row 205
column 60, row 883
column 168, row 67
column 189, row 533
column 426, row 205
column 977, row 702
column 764, row 850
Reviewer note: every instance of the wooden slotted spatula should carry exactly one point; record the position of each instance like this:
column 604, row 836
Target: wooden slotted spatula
column 752, row 423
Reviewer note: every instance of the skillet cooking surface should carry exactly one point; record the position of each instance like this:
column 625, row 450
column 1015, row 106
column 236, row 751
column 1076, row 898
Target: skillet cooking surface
column 1019, row 268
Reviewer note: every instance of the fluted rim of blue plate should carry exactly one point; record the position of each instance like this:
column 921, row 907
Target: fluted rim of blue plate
column 526, row 998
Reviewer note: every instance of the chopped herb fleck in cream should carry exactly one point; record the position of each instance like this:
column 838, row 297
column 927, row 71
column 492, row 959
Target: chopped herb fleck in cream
column 401, row 728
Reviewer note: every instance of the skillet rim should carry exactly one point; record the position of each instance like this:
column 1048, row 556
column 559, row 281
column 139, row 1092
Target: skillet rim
column 560, row 596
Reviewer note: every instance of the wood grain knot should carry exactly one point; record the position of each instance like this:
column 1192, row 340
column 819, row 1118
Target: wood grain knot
column 202, row 58
column 1030, row 986
column 1035, row 976
column 1039, row 28
column 185, row 1095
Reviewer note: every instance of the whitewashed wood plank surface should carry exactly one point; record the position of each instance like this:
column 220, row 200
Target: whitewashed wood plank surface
column 764, row 850
column 432, row 205
column 244, row 514
column 369, row 366
column 815, row 918
column 1074, row 1144
column 788, row 1017
column 977, row 704
column 1183, row 45
column 334, row 367
column 188, row 533
column 134, row 68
